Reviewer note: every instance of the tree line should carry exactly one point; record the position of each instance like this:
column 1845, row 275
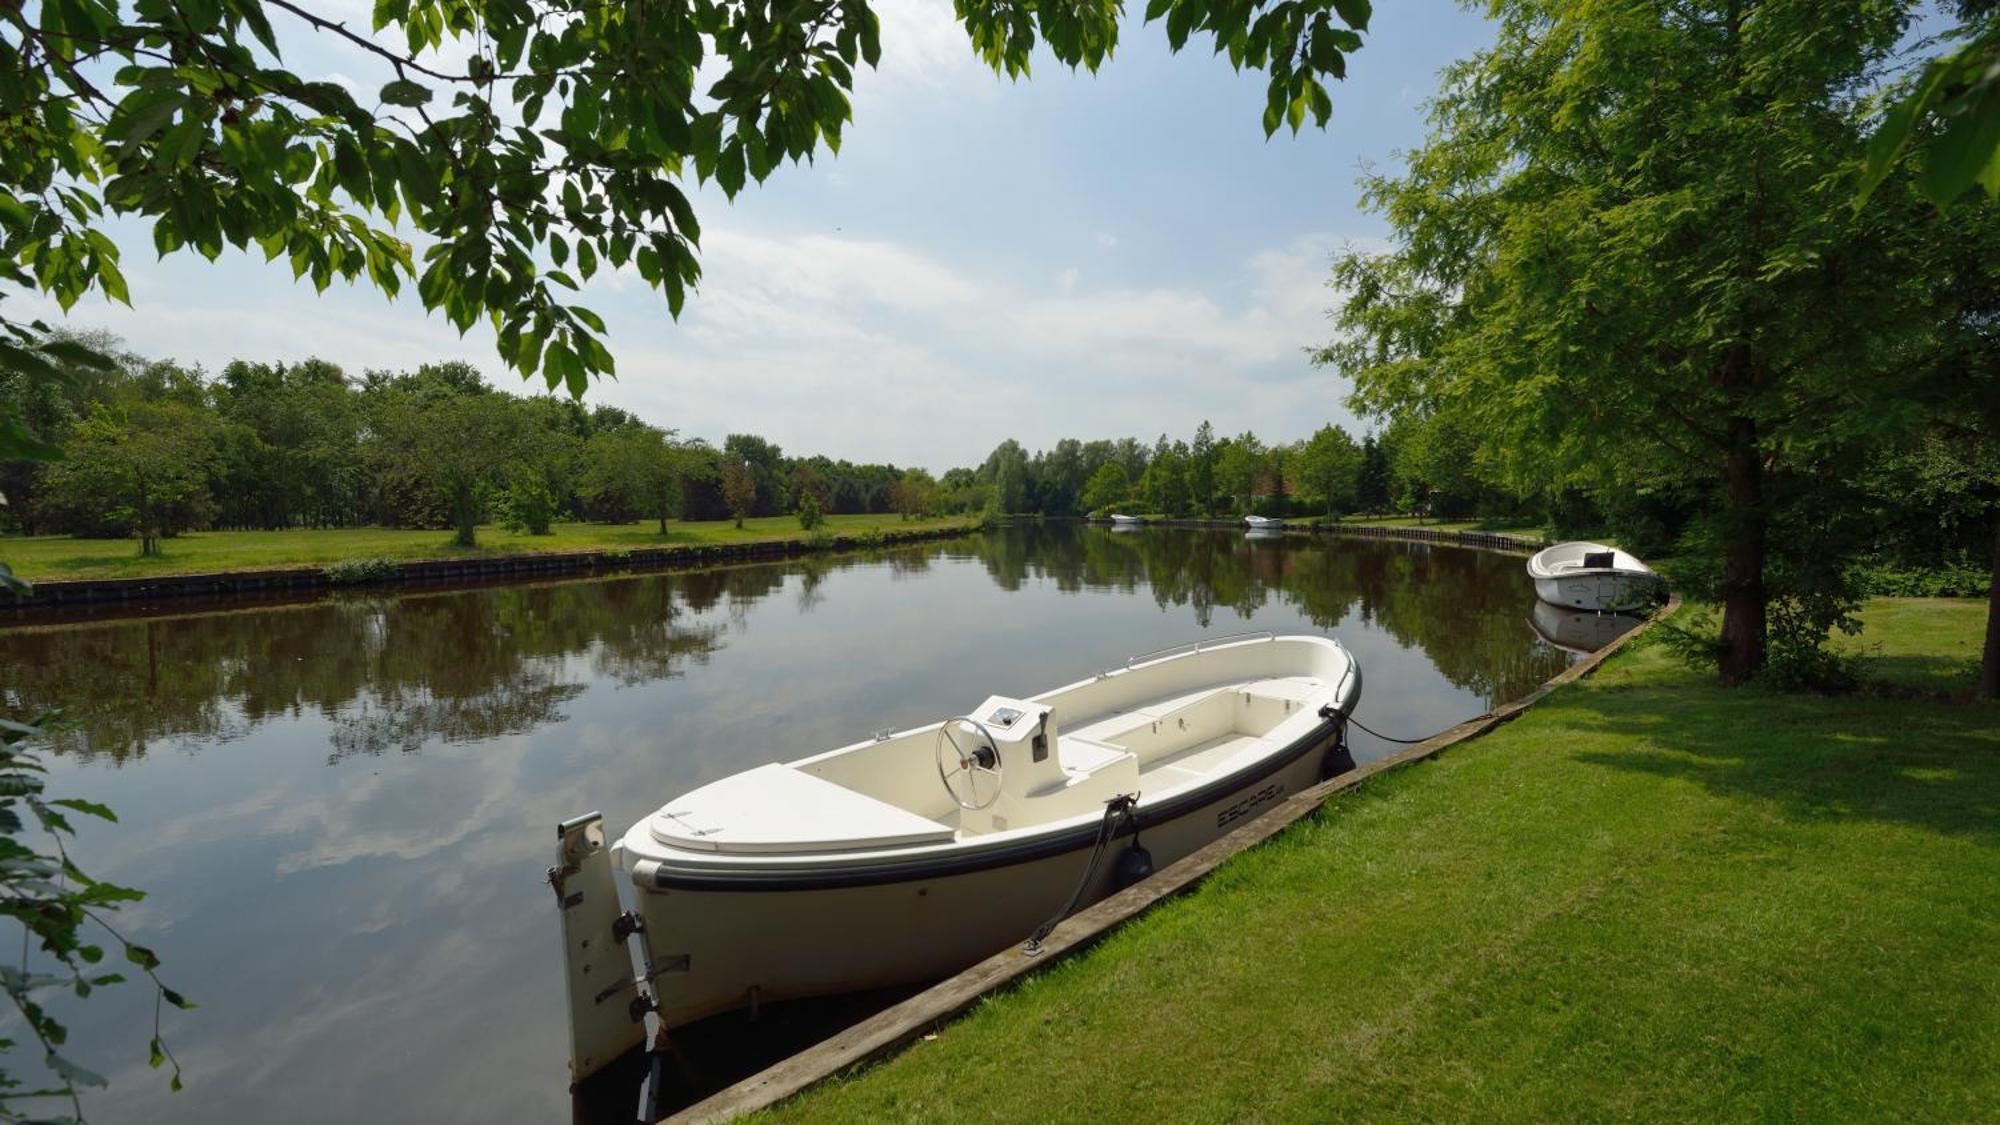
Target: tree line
column 151, row 449
column 1328, row 473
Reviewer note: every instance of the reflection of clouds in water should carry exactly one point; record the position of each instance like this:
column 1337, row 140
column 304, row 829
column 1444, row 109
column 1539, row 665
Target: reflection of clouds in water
column 400, row 817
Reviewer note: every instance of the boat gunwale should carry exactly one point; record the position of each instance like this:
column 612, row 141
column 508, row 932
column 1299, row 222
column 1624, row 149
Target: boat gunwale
column 1540, row 572
column 939, row 861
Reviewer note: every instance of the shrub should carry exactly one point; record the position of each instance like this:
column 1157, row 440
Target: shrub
column 811, row 515
column 1946, row 580
column 356, row 572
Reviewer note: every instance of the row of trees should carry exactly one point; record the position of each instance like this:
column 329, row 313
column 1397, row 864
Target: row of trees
column 1328, row 473
column 152, row 449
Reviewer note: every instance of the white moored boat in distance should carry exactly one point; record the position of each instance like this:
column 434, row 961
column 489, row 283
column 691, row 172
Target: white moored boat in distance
column 1590, row 576
column 1263, row 523
column 916, row 854
column 1127, row 521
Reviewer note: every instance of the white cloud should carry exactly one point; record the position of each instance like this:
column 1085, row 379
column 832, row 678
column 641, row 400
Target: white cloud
column 853, row 347
column 922, row 43
column 867, row 349
column 1105, row 239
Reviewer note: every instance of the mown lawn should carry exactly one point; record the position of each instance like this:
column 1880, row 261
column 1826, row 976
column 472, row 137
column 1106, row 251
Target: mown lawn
column 1648, row 898
column 60, row 557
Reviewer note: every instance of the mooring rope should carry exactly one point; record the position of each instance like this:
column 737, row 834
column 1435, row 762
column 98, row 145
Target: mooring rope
column 1117, row 808
column 1386, row 738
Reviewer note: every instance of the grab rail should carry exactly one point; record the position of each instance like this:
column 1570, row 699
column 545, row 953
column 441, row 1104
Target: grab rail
column 1199, row 645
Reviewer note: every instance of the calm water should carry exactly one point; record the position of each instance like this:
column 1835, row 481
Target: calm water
column 342, row 809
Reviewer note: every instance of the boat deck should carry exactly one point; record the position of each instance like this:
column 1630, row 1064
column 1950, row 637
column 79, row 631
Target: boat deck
column 1169, row 766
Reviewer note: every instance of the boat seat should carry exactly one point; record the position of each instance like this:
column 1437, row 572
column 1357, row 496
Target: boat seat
column 775, row 808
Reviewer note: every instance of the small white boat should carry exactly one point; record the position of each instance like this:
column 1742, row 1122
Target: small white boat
column 916, row 854
column 1263, row 522
column 1579, row 631
column 1127, row 521
column 1590, row 576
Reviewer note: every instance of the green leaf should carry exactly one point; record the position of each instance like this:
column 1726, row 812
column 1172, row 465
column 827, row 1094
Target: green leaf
column 1961, row 153
column 92, row 808
column 79, row 354
column 73, row 1074
column 404, row 92
column 1354, row 13
column 1894, row 134
column 729, row 169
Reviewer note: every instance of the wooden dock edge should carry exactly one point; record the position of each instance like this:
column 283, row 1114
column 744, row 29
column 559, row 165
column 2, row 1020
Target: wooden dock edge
column 903, row 1023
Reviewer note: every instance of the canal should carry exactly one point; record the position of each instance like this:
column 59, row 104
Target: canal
column 341, row 809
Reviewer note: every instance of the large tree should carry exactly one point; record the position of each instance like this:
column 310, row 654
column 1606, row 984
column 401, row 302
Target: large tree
column 1627, row 253
column 456, row 446
column 497, row 154
column 633, row 469
column 1330, row 464
column 142, row 469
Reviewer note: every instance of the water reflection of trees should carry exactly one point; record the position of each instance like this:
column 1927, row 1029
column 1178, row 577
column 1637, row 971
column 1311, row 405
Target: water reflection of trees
column 395, row 673
column 1464, row 609
column 387, row 673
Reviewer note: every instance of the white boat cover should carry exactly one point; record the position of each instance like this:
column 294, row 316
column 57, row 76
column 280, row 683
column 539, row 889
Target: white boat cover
column 775, row 808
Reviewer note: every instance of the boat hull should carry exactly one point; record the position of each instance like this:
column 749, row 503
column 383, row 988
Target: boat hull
column 755, row 940
column 1594, row 590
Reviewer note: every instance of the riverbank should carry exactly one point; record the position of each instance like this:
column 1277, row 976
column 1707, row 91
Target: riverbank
column 1646, row 897
column 1473, row 532
column 76, row 571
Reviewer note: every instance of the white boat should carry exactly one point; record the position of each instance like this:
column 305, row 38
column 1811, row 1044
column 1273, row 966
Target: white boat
column 1129, row 521
column 916, row 854
column 1263, row 522
column 1579, row 631
column 1590, row 576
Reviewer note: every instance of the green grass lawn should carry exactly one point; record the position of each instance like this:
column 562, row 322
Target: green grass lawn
column 1647, row 898
column 60, row 557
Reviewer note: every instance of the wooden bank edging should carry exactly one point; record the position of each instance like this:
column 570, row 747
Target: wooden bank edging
column 903, row 1023
column 1489, row 540
column 417, row 572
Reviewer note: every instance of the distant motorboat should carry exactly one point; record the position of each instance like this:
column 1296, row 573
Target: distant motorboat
column 1579, row 631
column 1590, row 576
column 1264, row 521
column 914, row 854
column 1128, row 521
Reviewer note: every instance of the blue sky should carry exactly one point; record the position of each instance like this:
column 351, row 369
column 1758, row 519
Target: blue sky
column 1068, row 255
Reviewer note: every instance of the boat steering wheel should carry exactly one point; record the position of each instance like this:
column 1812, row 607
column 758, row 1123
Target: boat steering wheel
column 961, row 770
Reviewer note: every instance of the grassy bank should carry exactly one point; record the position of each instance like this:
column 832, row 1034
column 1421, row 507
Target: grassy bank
column 60, row 557
column 1491, row 527
column 1647, row 898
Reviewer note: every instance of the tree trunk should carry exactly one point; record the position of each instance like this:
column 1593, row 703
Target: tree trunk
column 465, row 514
column 663, row 523
column 1989, row 662
column 1744, row 545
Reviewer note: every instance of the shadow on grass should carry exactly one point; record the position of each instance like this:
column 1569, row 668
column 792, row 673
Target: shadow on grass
column 1940, row 675
column 1929, row 764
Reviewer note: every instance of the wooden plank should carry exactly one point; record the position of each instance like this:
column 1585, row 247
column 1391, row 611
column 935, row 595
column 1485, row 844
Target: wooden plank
column 899, row 1025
